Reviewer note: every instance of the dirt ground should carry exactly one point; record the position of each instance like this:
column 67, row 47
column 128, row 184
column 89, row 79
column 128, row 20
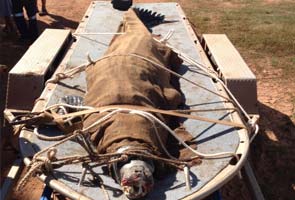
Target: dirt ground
column 272, row 152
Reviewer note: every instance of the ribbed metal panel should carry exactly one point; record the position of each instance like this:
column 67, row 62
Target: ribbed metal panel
column 233, row 69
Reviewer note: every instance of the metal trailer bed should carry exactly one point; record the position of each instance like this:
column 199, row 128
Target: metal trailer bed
column 210, row 137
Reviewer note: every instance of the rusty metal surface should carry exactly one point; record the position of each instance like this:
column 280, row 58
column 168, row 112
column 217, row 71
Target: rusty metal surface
column 211, row 138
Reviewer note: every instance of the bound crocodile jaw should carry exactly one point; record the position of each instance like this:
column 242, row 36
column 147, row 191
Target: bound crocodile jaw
column 136, row 179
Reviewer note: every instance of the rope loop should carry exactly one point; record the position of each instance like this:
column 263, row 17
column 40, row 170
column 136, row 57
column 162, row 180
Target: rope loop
column 48, row 165
column 52, row 153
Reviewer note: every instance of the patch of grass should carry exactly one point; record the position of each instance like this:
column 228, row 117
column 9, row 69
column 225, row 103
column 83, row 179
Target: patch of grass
column 267, row 29
column 254, row 28
column 206, row 19
column 274, row 62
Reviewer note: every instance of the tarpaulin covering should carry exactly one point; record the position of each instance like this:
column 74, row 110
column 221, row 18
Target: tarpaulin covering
column 125, row 79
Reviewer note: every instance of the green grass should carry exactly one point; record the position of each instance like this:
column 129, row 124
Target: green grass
column 257, row 29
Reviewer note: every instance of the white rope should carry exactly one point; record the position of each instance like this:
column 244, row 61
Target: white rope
column 185, row 57
column 66, row 112
column 144, row 114
column 68, row 106
column 151, row 117
column 70, row 73
column 175, row 74
column 47, row 138
column 199, row 154
column 82, row 67
column 64, row 109
column 90, row 61
column 101, row 119
column 254, row 126
column 156, row 131
column 208, row 71
column 97, row 33
column 167, row 36
column 255, row 133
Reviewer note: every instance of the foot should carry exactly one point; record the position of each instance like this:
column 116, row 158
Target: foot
column 43, row 12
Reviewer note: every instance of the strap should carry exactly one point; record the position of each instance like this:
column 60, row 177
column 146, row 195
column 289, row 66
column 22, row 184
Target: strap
column 153, row 110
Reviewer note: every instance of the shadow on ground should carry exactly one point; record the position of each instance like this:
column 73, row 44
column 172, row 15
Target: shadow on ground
column 272, row 158
column 58, row 22
column 274, row 149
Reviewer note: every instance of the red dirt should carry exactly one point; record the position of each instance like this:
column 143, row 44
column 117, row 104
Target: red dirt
column 272, row 153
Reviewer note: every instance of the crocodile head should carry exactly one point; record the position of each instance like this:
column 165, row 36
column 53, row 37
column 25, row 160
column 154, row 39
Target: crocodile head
column 136, row 179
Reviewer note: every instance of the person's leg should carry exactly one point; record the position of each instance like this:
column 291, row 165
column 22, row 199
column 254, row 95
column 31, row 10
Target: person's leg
column 43, row 4
column 8, row 24
column 6, row 12
column 43, row 9
column 18, row 15
column 31, row 9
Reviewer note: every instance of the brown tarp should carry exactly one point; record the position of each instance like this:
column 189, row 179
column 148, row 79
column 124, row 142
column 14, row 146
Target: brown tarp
column 132, row 81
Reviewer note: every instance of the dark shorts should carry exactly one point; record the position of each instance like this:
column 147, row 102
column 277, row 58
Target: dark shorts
column 29, row 5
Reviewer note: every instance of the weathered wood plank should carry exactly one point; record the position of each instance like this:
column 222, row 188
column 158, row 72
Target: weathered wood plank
column 26, row 79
